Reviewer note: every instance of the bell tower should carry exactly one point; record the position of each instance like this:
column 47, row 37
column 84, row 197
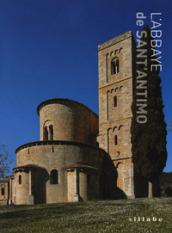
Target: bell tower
column 115, row 101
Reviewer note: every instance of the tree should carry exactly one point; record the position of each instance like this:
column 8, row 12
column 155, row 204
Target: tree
column 149, row 139
column 170, row 127
column 4, row 161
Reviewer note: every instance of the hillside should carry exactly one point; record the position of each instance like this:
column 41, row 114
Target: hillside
column 89, row 217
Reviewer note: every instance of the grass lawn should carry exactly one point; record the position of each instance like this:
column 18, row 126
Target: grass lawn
column 89, row 217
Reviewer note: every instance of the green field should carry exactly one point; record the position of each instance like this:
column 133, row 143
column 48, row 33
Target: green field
column 89, row 217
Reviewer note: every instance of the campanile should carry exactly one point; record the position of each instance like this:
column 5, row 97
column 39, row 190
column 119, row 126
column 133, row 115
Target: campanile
column 116, row 74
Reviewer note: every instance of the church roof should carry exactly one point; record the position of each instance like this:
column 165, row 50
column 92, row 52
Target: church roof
column 63, row 101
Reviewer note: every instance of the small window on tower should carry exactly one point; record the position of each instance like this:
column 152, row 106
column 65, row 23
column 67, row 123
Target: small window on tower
column 114, row 66
column 115, row 101
column 116, row 140
column 20, row 179
column 2, row 191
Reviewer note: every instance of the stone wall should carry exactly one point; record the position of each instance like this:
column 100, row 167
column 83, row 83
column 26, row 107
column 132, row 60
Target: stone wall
column 71, row 121
column 115, row 101
column 4, row 192
column 64, row 158
column 21, row 189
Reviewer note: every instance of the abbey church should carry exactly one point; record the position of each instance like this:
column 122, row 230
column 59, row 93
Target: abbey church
column 82, row 156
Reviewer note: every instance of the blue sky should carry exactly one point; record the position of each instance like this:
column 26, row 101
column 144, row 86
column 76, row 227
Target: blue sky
column 48, row 49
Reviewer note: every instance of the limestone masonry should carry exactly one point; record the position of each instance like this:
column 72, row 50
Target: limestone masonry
column 80, row 156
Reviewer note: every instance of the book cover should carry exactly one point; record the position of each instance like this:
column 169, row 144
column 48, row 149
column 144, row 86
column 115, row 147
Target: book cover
column 86, row 119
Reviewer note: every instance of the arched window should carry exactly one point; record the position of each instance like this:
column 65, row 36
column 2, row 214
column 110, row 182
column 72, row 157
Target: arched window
column 20, row 179
column 54, row 177
column 116, row 140
column 2, row 191
column 115, row 101
column 115, row 66
column 51, row 132
column 45, row 134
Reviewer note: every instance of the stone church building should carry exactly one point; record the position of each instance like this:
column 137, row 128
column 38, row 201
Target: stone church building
column 81, row 156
